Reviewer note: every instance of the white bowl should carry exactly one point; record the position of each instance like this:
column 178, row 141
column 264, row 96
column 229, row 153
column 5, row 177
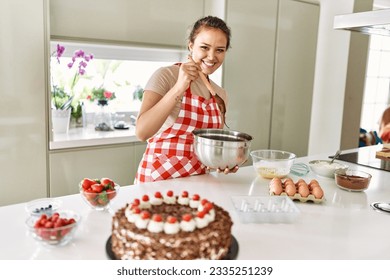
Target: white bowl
column 325, row 168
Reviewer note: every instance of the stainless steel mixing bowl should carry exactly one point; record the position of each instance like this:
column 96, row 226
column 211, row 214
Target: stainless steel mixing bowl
column 218, row 148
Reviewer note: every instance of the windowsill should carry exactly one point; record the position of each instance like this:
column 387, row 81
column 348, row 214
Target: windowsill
column 87, row 136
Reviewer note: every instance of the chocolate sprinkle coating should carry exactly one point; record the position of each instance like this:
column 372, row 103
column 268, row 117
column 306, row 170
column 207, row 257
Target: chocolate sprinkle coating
column 211, row 242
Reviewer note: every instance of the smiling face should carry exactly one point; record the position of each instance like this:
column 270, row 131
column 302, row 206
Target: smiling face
column 208, row 49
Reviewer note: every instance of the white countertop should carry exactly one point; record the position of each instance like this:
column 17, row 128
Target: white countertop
column 342, row 227
column 88, row 136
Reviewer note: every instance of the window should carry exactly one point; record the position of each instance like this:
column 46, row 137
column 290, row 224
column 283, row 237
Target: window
column 120, row 69
column 123, row 70
column 376, row 92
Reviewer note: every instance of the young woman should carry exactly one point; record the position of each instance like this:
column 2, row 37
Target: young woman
column 176, row 102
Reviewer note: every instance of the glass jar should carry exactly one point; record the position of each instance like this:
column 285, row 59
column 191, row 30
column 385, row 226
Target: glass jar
column 103, row 121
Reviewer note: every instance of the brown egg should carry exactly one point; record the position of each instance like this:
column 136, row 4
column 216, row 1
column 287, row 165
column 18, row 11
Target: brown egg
column 275, row 186
column 290, row 189
column 300, row 182
column 317, row 192
column 288, row 180
column 303, row 188
column 313, row 184
column 314, row 181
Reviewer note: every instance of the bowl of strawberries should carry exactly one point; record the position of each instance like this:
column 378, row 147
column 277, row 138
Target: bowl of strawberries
column 54, row 229
column 98, row 193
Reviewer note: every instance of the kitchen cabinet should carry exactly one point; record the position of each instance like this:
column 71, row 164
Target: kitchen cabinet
column 269, row 72
column 23, row 109
column 294, row 67
column 160, row 22
column 118, row 162
column 248, row 67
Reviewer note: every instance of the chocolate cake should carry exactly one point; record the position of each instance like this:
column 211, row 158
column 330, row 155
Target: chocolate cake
column 171, row 227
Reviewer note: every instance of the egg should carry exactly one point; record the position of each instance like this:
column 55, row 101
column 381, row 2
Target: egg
column 276, row 186
column 313, row 184
column 317, row 192
column 303, row 188
column 290, row 188
column 288, row 180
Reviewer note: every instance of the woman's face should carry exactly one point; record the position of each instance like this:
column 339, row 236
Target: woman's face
column 208, row 49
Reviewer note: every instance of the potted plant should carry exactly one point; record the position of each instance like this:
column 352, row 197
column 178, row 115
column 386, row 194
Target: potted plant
column 61, row 99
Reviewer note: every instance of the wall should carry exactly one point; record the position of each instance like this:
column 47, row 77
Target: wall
column 162, row 22
column 328, row 118
column 23, row 117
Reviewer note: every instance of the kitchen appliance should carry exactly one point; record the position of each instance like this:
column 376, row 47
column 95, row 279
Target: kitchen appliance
column 367, row 156
column 371, row 22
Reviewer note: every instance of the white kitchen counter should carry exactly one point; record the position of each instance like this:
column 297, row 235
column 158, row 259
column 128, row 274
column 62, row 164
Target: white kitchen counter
column 342, row 227
column 84, row 137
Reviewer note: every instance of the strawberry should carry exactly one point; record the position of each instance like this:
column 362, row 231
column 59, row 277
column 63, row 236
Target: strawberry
column 157, row 218
column 86, row 183
column 208, row 206
column 184, row 194
column 59, row 223
column 107, row 183
column 203, row 201
column 201, row 214
column 145, row 215
column 102, row 199
column 171, row 220
column 52, row 228
column 136, row 201
column 98, row 188
column 187, row 217
column 170, row 193
column 111, row 194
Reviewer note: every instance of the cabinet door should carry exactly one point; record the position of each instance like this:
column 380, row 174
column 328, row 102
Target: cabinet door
column 68, row 168
column 248, row 68
column 162, row 22
column 23, row 131
column 294, row 76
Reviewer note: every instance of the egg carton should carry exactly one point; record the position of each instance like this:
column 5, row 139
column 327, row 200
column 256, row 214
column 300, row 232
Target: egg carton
column 265, row 209
column 298, row 197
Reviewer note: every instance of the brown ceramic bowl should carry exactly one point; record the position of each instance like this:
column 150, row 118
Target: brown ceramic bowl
column 352, row 180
